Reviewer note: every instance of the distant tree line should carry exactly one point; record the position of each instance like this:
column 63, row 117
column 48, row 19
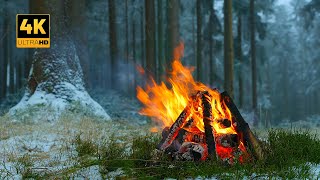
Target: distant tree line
column 238, row 46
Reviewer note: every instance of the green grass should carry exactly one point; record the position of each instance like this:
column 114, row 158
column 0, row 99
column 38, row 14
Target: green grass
column 85, row 146
column 286, row 157
column 287, row 154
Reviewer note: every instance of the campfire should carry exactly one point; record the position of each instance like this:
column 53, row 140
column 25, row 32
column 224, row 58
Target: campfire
column 197, row 122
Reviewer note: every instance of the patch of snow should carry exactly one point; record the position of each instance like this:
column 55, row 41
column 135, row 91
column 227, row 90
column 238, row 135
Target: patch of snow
column 69, row 98
column 91, row 172
column 32, row 143
column 115, row 174
column 315, row 170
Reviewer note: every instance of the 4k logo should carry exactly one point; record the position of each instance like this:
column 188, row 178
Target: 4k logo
column 33, row 30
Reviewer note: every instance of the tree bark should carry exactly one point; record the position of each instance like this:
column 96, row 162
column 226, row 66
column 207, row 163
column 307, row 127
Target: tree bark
column 55, row 84
column 5, row 52
column 127, row 41
column 42, row 58
column 253, row 62
column 194, row 45
column 142, row 41
column 150, row 38
column 160, row 41
column 77, row 22
column 239, row 57
column 199, row 40
column 20, row 76
column 211, row 43
column 127, row 31
column 113, row 42
column 133, row 47
column 228, row 47
column 173, row 29
column 12, row 63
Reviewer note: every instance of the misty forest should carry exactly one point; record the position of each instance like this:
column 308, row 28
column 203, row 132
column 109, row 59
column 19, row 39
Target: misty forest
column 71, row 110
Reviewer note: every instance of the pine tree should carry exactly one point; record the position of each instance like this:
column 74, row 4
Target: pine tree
column 199, row 40
column 150, row 38
column 253, row 61
column 113, row 42
column 228, row 47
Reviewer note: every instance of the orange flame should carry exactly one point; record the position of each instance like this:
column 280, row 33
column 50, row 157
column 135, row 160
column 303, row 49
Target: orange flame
column 163, row 103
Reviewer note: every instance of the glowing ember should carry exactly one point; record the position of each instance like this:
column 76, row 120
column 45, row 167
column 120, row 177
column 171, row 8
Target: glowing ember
column 164, row 103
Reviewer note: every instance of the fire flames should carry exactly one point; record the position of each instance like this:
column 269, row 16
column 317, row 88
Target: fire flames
column 165, row 101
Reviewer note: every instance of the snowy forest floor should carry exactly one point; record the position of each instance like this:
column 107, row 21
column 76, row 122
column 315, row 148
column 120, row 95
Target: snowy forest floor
column 88, row 148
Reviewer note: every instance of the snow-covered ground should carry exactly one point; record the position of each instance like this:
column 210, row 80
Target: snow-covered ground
column 47, row 148
column 43, row 147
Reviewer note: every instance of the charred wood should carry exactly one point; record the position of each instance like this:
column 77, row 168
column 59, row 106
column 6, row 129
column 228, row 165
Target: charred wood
column 224, row 123
column 243, row 128
column 228, row 140
column 175, row 128
column 180, row 122
column 207, row 119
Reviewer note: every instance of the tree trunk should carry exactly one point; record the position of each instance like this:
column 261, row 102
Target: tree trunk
column 150, row 38
column 253, row 62
column 127, row 31
column 199, row 40
column 12, row 63
column 239, row 57
column 211, row 42
column 77, row 22
column 113, row 42
column 173, row 28
column 55, row 84
column 194, row 39
column 142, row 30
column 160, row 41
column 228, row 47
column 133, row 47
column 5, row 52
column 127, row 42
column 30, row 51
column 20, row 76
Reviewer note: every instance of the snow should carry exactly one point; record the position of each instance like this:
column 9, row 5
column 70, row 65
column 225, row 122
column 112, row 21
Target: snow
column 91, row 172
column 116, row 173
column 315, row 170
column 51, row 148
column 70, row 98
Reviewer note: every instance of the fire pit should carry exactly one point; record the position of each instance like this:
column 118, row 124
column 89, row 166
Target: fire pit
column 197, row 122
column 227, row 139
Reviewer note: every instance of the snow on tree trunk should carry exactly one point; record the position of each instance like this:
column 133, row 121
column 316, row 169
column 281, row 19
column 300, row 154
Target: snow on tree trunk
column 55, row 86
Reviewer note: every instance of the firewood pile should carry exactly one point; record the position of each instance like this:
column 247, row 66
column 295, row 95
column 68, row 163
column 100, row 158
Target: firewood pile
column 185, row 141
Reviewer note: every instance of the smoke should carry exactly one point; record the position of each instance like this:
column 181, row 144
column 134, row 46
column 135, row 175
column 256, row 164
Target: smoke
column 128, row 76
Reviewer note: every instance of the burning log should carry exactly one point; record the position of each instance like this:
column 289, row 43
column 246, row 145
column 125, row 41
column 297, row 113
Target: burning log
column 228, row 140
column 179, row 123
column 175, row 128
column 207, row 119
column 210, row 124
column 183, row 135
column 185, row 141
column 224, row 123
column 243, row 128
column 192, row 151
